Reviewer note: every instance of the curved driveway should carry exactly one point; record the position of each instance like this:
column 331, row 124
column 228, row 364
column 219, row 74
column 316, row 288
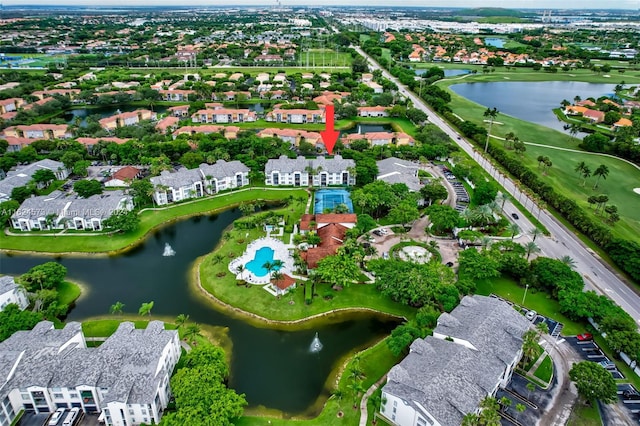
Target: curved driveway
column 562, row 242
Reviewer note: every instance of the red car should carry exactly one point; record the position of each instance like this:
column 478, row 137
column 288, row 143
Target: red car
column 584, row 337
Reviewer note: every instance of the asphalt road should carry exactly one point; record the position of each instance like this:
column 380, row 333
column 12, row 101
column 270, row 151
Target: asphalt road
column 561, row 242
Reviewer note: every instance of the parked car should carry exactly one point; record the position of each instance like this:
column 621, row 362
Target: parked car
column 515, row 216
column 385, row 255
column 631, row 395
column 531, row 315
column 609, row 365
column 377, row 232
column 56, row 416
column 450, row 264
column 584, row 337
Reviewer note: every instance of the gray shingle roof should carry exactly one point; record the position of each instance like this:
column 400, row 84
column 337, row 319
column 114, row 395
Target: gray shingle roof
column 7, row 284
column 449, row 379
column 284, row 164
column 177, row 179
column 222, row 169
column 70, row 206
column 22, row 175
column 394, row 170
column 125, row 363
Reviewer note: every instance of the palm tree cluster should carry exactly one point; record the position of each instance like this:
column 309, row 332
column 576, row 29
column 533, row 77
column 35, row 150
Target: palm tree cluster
column 545, row 163
column 602, row 171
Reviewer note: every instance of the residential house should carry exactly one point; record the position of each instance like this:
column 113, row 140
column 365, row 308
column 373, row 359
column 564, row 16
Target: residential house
column 123, row 177
column 11, row 105
column 394, row 170
column 293, row 136
column 23, row 175
column 328, row 98
column 38, row 131
column 224, row 115
column 167, row 124
column 10, row 292
column 177, row 186
column 377, row 89
column 268, row 58
column 179, row 111
column 594, row 116
column 208, row 178
column 296, row 171
column 298, row 116
column 126, row 119
column 373, row 111
column 623, row 122
column 125, row 379
column 70, row 93
column 575, row 109
column 331, row 228
column 472, row 353
column 89, row 143
column 61, row 211
column 380, row 138
column 229, row 132
column 176, row 95
column 223, row 175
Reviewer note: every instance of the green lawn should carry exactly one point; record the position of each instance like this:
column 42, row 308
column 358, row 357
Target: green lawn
column 386, row 54
column 583, row 415
column 325, row 58
column 544, row 371
column 374, row 362
column 623, row 177
column 538, row 301
column 149, row 219
column 68, row 292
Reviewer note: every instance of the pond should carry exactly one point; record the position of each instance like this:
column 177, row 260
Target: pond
column 447, row 72
column 257, row 107
column 361, row 128
column 273, row 368
column 495, row 42
column 530, row 101
column 106, row 111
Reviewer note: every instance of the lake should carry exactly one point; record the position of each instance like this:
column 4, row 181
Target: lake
column 273, row 368
column 447, row 72
column 495, row 42
column 530, row 101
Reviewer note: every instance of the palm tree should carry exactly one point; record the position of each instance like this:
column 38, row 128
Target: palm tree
column 192, row 332
column 586, row 172
column 337, row 394
column 491, row 113
column 470, row 419
column 514, row 229
column 145, row 308
column 502, row 198
column 535, row 232
column 520, row 408
column 531, row 248
column 240, row 270
column 181, row 320
column 116, row 308
column 580, row 167
column 568, row 260
column 485, row 242
column 269, row 267
column 601, row 172
column 505, row 403
column 217, row 258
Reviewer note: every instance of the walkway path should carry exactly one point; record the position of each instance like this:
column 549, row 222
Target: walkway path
column 363, row 402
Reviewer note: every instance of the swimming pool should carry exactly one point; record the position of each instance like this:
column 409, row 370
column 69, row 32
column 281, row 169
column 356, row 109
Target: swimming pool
column 330, row 198
column 262, row 256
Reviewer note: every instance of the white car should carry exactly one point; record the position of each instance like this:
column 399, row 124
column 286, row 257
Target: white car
column 55, row 418
column 531, row 315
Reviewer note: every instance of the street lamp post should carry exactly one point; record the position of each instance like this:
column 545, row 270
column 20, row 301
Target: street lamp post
column 525, row 293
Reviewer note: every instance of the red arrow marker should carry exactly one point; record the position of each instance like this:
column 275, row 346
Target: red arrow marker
column 329, row 135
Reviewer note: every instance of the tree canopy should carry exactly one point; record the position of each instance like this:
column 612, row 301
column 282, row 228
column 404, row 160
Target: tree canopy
column 594, row 382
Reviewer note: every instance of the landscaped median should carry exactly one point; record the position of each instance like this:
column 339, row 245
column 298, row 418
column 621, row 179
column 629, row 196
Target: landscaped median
column 149, row 219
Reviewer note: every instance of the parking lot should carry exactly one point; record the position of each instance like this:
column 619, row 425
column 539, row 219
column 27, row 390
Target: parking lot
column 32, row 419
column 629, row 397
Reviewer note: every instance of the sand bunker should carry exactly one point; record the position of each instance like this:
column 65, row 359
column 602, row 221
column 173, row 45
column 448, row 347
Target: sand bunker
column 636, row 190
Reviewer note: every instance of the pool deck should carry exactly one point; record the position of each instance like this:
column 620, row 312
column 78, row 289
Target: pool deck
column 281, row 252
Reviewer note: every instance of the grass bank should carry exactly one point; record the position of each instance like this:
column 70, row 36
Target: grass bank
column 149, row 219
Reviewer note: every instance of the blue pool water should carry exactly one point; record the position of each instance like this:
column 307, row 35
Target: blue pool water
column 330, row 198
column 262, row 256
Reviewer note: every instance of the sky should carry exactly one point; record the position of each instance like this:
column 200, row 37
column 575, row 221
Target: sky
column 537, row 4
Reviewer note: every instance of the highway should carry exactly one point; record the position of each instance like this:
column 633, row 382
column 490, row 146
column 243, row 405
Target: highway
column 561, row 242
